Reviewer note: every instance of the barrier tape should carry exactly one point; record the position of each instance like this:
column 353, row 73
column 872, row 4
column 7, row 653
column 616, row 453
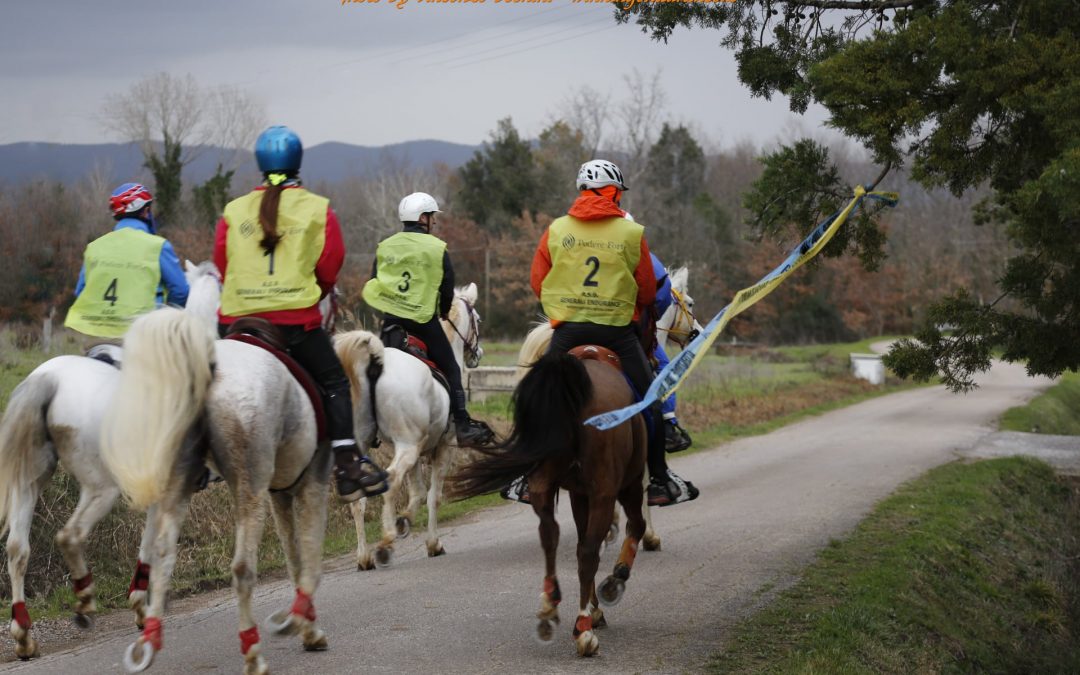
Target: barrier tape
column 679, row 367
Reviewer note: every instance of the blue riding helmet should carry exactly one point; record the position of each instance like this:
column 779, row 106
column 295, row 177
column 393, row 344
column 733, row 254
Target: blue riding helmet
column 278, row 149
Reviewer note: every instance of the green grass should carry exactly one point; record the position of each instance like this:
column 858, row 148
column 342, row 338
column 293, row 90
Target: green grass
column 970, row 568
column 1056, row 411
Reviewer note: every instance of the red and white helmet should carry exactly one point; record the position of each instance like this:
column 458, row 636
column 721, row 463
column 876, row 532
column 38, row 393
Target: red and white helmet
column 129, row 198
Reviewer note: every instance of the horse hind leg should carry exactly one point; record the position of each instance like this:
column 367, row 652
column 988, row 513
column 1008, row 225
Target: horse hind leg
column 405, row 457
column 249, row 524
column 406, row 519
column 650, row 541
column 543, row 503
column 138, row 589
column 439, row 468
column 599, row 510
column 612, row 588
column 20, row 517
column 364, row 559
column 94, row 502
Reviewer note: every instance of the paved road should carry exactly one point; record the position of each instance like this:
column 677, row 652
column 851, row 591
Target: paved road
column 768, row 504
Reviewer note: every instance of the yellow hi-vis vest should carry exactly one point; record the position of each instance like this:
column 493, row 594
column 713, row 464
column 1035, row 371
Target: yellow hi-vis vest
column 123, row 271
column 592, row 271
column 409, row 271
column 257, row 281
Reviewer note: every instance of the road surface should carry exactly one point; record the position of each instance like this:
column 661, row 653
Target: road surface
column 767, row 505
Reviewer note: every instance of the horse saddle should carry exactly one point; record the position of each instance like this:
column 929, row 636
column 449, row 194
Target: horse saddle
column 597, row 353
column 106, row 352
column 265, row 335
column 397, row 337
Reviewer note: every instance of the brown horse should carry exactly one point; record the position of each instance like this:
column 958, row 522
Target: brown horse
column 550, row 444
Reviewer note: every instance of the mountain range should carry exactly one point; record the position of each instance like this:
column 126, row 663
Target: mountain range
column 67, row 163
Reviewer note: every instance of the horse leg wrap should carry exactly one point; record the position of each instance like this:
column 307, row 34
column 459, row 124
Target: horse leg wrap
column 248, row 639
column 151, row 634
column 303, row 606
column 551, row 593
column 626, row 556
column 20, row 616
column 583, row 625
column 83, row 584
column 141, row 580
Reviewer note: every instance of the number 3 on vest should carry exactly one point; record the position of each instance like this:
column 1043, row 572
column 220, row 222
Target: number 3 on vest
column 404, row 285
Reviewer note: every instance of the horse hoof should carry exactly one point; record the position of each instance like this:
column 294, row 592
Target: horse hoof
column 364, row 564
column 611, row 591
column 598, row 620
column 545, row 631
column 435, row 550
column 587, row 643
column 27, row 650
column 384, row 556
column 403, row 526
column 651, row 543
column 83, row 621
column 282, row 623
column 316, row 642
column 138, row 657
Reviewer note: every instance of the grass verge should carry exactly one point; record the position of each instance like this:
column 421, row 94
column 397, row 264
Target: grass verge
column 1052, row 412
column 970, row 568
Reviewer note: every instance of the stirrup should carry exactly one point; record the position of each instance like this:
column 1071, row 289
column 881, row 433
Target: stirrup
column 517, row 490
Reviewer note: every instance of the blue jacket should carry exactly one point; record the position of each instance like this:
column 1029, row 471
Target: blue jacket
column 663, row 286
column 172, row 274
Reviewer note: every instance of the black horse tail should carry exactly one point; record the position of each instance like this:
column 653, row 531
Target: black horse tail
column 548, row 405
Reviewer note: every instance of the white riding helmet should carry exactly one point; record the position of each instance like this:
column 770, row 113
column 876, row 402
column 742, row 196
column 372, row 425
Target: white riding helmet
column 413, row 206
column 599, row 173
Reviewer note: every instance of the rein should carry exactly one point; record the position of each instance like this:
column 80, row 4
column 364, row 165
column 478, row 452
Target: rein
column 472, row 343
column 682, row 337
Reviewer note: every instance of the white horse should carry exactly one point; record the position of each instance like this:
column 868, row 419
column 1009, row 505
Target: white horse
column 54, row 416
column 413, row 415
column 185, row 398
column 676, row 327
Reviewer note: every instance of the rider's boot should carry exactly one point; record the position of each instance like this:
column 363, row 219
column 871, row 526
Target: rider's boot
column 468, row 430
column 675, row 437
column 356, row 475
column 665, row 486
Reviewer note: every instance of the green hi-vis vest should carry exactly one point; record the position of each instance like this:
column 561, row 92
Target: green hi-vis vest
column 408, row 275
column 123, row 271
column 257, row 281
column 592, row 271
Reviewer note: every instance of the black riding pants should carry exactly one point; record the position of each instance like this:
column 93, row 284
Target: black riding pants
column 624, row 342
column 439, row 351
column 313, row 350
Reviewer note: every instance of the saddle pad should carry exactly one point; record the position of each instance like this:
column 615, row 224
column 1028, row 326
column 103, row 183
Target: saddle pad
column 597, row 353
column 298, row 372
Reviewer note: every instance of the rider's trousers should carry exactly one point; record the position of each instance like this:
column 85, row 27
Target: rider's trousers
column 439, row 351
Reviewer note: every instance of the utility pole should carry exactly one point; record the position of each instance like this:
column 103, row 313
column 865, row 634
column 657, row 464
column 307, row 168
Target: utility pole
column 487, row 281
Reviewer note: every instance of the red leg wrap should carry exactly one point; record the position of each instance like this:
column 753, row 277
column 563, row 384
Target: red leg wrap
column 629, row 551
column 152, row 633
column 248, row 638
column 551, row 589
column 84, row 583
column 303, row 606
column 20, row 615
column 584, row 624
column 141, row 580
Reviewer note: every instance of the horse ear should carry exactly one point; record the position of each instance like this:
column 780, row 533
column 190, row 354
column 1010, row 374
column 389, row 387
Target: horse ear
column 470, row 293
column 190, row 267
column 679, row 278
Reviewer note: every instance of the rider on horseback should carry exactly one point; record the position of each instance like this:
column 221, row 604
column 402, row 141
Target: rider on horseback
column 411, row 278
column 675, row 437
column 126, row 272
column 281, row 277
column 593, row 273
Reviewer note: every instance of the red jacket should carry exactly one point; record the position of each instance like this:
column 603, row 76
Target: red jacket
column 326, row 274
column 589, row 207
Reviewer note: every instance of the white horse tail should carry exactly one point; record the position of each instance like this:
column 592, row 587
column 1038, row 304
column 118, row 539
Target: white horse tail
column 361, row 354
column 168, row 369
column 22, row 435
column 535, row 345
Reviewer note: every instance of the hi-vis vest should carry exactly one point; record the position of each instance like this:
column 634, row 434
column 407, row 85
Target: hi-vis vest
column 257, row 281
column 408, row 275
column 592, row 271
column 123, row 271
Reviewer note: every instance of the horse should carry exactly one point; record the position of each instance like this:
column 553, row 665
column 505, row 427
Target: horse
column 676, row 326
column 54, row 416
column 185, row 399
column 551, row 444
column 411, row 414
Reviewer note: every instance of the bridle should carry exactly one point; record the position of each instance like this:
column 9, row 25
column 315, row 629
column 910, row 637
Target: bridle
column 682, row 313
column 473, row 352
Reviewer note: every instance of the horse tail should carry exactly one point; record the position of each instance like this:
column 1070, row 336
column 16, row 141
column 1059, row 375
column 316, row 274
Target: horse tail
column 22, row 433
column 362, row 352
column 548, row 406
column 535, row 345
column 168, row 370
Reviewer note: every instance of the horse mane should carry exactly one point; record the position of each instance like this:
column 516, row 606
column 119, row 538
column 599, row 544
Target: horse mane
column 534, row 346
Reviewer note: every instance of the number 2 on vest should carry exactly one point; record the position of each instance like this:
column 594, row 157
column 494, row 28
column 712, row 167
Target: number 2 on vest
column 595, row 263
column 110, row 293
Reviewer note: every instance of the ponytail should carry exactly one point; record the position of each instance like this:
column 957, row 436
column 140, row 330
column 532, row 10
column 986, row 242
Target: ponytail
column 268, row 210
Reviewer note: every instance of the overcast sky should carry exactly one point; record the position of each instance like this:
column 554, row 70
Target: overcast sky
column 368, row 73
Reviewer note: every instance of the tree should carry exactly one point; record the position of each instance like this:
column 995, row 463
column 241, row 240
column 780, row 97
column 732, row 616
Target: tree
column 968, row 93
column 173, row 119
column 559, row 153
column 499, row 183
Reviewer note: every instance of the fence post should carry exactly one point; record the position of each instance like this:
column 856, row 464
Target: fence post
column 487, row 281
column 46, row 331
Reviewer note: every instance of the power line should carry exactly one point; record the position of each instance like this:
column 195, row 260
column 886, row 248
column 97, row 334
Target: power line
column 444, row 62
column 528, row 49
